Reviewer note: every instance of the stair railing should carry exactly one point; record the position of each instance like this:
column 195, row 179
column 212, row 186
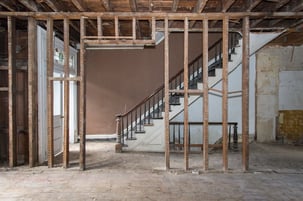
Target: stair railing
column 152, row 106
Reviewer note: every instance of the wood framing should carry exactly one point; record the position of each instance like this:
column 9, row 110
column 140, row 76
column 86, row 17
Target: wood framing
column 32, row 92
column 185, row 133
column 225, row 93
column 205, row 94
column 82, row 98
column 166, row 94
column 66, row 95
column 50, row 91
column 11, row 23
column 245, row 94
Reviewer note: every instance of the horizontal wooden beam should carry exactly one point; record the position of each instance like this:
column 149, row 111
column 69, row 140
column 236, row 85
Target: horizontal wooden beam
column 158, row 16
column 65, row 78
column 3, row 88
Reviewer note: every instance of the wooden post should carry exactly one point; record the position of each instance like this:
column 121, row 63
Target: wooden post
column 245, row 94
column 116, row 27
column 50, row 91
column 186, row 136
column 82, row 99
column 32, row 92
column 225, row 94
column 166, row 94
column 11, row 23
column 99, row 26
column 205, row 93
column 118, row 146
column 134, row 28
column 153, row 36
column 66, row 95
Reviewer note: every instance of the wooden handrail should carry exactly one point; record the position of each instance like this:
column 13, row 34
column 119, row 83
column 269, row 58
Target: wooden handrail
column 170, row 80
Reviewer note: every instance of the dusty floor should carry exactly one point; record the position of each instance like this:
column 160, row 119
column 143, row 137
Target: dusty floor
column 276, row 173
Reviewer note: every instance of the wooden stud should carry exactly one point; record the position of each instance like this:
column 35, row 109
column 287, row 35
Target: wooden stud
column 186, row 135
column 32, row 92
column 205, row 94
column 50, row 91
column 245, row 94
column 116, row 27
column 153, row 28
column 166, row 94
column 11, row 23
column 82, row 99
column 225, row 93
column 99, row 25
column 66, row 95
column 134, row 28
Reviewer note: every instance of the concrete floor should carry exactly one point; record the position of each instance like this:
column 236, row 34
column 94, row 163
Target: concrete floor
column 276, row 173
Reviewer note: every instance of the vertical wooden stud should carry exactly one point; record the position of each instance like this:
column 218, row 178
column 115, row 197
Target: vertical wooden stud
column 205, row 93
column 245, row 94
column 134, row 28
column 82, row 100
column 32, row 92
column 116, row 27
column 225, row 93
column 11, row 23
column 99, row 25
column 166, row 94
column 186, row 135
column 50, row 91
column 66, row 95
column 153, row 28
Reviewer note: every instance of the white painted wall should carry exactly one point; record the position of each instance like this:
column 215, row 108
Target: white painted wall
column 291, row 90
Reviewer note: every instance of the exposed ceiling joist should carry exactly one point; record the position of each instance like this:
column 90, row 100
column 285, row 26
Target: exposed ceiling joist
column 107, row 5
column 227, row 4
column 200, row 6
column 296, row 8
column 30, row 4
column 52, row 5
column 133, row 5
column 279, row 5
column 79, row 4
column 175, row 5
column 7, row 4
column 198, row 9
column 253, row 4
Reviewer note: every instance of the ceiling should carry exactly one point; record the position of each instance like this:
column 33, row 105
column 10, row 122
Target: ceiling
column 170, row 6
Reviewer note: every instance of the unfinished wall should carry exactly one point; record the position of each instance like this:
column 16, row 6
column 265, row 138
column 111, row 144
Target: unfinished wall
column 271, row 61
column 119, row 79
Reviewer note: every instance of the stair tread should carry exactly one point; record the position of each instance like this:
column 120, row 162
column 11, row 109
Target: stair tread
column 139, row 132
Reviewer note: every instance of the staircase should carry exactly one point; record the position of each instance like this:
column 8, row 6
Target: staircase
column 142, row 127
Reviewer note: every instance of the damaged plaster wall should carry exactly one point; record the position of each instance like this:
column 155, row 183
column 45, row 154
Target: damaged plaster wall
column 271, row 61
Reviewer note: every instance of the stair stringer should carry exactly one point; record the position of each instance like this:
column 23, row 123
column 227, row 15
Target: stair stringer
column 153, row 140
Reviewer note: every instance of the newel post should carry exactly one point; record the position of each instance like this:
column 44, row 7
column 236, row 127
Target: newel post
column 118, row 146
